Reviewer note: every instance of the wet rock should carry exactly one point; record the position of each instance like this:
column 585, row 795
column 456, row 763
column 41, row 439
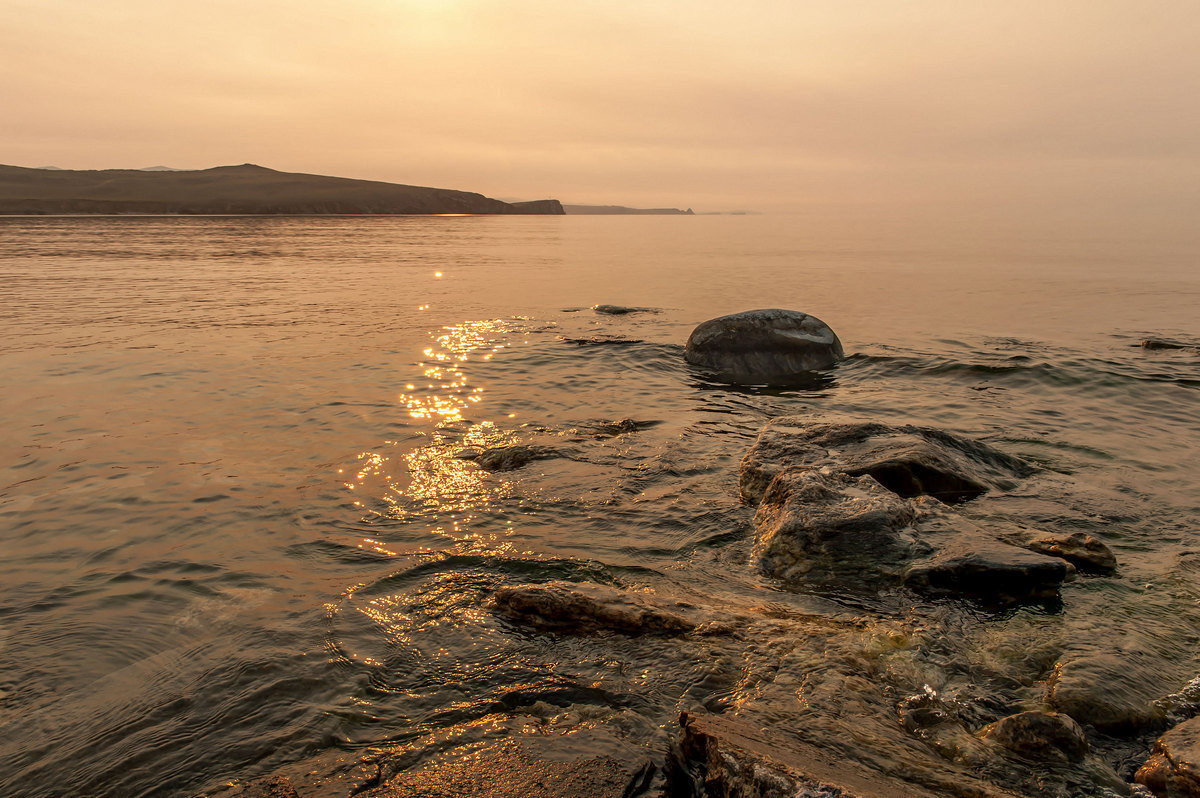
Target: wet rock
column 759, row 347
column 1174, row 767
column 928, row 717
column 621, row 310
column 583, row 608
column 509, row 770
column 1114, row 691
column 908, row 460
column 273, row 787
column 1078, row 548
column 621, row 427
column 817, row 520
column 510, row 458
column 1165, row 343
column 991, row 570
column 723, row 756
column 1047, row 736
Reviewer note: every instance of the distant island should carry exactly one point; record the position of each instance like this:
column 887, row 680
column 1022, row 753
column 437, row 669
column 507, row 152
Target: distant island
column 245, row 189
column 616, row 210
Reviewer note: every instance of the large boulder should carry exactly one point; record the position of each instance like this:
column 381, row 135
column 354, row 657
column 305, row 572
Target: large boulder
column 979, row 566
column 763, row 347
column 908, row 460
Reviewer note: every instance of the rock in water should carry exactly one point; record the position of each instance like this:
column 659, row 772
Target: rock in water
column 579, row 608
column 1174, row 767
column 1046, row 736
column 981, row 567
column 1113, row 690
column 763, row 347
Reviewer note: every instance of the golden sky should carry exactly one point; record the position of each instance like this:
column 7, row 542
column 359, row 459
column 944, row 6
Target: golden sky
column 784, row 105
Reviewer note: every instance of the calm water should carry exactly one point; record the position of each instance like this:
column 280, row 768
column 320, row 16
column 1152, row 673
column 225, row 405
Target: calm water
column 234, row 533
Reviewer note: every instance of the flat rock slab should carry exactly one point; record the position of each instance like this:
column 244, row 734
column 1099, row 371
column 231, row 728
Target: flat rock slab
column 586, row 608
column 763, row 347
column 727, row 757
column 908, row 460
column 1174, row 767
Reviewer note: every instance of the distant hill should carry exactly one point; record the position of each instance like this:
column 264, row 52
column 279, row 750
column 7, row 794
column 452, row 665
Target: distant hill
column 245, row 189
column 615, row 210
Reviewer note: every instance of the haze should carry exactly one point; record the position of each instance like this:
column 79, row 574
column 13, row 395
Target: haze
column 1068, row 110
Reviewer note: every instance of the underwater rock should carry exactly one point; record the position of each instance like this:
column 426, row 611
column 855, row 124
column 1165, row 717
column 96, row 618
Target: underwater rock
column 1173, row 769
column 271, row 787
column 1163, row 343
column 583, row 608
column 509, row 770
column 722, row 756
column 1039, row 735
column 817, row 520
column 908, row 460
column 1114, row 691
column 982, row 567
column 510, row 458
column 1078, row 548
column 758, row 347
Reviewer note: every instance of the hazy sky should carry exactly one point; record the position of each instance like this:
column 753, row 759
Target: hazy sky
column 1088, row 105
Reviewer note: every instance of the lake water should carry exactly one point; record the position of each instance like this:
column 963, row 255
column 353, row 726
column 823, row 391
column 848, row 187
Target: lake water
column 235, row 534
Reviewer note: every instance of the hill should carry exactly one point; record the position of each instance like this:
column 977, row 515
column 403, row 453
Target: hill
column 245, row 189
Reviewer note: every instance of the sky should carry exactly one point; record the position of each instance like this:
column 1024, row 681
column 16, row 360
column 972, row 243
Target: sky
column 1073, row 107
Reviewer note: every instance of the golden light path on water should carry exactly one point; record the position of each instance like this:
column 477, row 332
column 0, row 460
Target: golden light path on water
column 433, row 482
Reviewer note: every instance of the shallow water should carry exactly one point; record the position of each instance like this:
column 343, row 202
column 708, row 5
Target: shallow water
column 235, row 532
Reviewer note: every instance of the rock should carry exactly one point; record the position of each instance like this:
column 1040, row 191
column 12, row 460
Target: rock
column 273, row 787
column 582, row 608
column 510, row 458
column 1046, row 736
column 830, row 522
column 1163, row 343
column 759, row 347
column 608, row 429
column 620, row 310
column 982, row 567
column 509, row 770
column 1174, row 767
column 1078, row 548
column 723, row 756
column 1114, row 691
column 908, row 460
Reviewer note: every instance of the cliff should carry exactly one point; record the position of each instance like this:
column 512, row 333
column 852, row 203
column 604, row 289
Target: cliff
column 245, row 189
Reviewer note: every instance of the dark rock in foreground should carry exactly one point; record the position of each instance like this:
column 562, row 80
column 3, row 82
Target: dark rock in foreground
column 1173, row 770
column 763, row 347
column 582, row 608
column 908, row 460
column 981, row 567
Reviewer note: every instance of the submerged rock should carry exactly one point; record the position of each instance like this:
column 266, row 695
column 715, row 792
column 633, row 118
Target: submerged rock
column 1046, row 736
column 1078, row 548
column 582, row 608
column 1164, row 343
column 510, row 458
column 908, row 460
column 621, row 310
column 1115, row 691
column 759, row 347
column 1173, row 769
column 831, row 522
column 992, row 570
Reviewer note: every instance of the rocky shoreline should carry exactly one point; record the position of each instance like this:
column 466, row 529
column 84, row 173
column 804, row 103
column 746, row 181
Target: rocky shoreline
column 895, row 708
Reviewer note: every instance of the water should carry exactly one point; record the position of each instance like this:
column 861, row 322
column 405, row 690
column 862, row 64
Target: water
column 235, row 533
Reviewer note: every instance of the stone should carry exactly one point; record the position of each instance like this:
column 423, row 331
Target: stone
column 1174, row 767
column 620, row 310
column 1045, row 736
column 1163, row 343
column 272, row 787
column 587, row 608
column 717, row 755
column 828, row 522
column 510, row 458
column 1079, row 548
column 1113, row 690
column 908, row 460
column 763, row 347
column 988, row 569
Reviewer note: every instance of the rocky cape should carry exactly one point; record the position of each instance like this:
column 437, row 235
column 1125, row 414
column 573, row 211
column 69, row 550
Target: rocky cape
column 235, row 190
